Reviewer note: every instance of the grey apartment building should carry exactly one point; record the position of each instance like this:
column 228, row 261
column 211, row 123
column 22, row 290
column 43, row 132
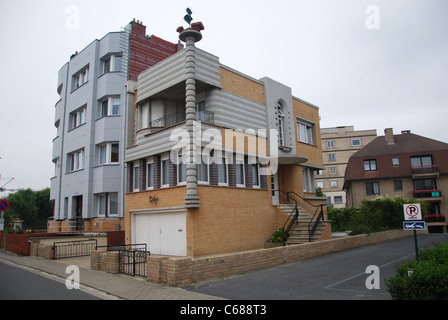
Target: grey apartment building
column 87, row 188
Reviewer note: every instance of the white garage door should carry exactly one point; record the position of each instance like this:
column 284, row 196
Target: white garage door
column 164, row 233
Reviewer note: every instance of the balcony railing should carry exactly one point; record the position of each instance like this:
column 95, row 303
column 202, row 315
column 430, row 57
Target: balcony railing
column 436, row 193
column 178, row 117
column 425, row 169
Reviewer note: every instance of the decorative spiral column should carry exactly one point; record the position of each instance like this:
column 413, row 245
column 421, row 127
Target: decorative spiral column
column 190, row 37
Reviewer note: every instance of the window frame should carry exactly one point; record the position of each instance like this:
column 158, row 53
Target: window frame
column 308, row 137
column 372, row 185
column 108, row 110
column 77, row 118
column 80, row 78
column 370, row 162
column 109, row 153
column 75, row 161
column 107, row 204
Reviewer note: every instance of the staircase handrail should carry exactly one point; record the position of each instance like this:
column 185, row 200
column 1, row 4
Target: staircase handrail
column 310, row 207
column 293, row 216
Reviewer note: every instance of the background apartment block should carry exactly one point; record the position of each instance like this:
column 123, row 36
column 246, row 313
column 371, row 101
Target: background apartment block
column 338, row 145
column 404, row 165
column 88, row 151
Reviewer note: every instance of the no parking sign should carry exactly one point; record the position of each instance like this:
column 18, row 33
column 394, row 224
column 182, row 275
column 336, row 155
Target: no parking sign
column 412, row 212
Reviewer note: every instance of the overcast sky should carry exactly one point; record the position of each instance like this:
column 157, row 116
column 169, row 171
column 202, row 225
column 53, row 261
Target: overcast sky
column 371, row 64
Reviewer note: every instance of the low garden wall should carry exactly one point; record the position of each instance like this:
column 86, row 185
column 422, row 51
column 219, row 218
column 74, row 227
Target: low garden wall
column 182, row 271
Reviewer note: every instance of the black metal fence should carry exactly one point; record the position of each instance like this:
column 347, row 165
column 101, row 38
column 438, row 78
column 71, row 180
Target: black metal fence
column 71, row 249
column 133, row 262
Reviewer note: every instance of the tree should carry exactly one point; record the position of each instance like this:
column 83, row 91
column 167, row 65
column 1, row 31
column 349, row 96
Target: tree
column 33, row 207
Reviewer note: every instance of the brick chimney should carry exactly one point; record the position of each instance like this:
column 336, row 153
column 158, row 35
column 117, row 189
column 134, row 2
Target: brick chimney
column 137, row 27
column 389, row 136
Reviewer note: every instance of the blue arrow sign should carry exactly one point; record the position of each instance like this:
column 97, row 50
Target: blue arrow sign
column 414, row 225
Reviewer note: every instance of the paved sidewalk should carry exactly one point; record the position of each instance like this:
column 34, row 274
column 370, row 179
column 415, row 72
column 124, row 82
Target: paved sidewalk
column 114, row 285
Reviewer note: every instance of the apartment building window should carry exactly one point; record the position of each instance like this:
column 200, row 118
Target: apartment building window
column 338, row 199
column 222, row 172
column 398, row 185
column 165, row 172
column 182, row 169
column 239, row 173
column 77, row 118
column 203, row 170
column 305, row 132
column 370, row 165
column 281, row 124
column 80, row 78
column 331, row 157
column 334, row 184
column 150, row 175
column 136, row 186
column 330, row 144
column 320, row 184
column 108, row 153
column 395, row 162
column 75, row 160
column 111, row 63
column 107, row 204
column 255, row 175
column 109, row 107
column 372, row 188
column 308, row 180
column 425, row 184
column 333, row 170
column 421, row 161
column 356, row 142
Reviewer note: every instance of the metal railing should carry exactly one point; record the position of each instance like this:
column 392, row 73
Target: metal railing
column 317, row 212
column 133, row 262
column 432, row 193
column 178, row 117
column 425, row 169
column 71, row 249
column 293, row 216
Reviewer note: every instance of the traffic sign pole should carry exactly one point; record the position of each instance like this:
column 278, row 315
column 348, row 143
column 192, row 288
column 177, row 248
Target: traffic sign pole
column 416, row 246
column 413, row 212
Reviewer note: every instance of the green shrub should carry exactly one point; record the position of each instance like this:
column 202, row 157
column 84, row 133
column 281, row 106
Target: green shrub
column 278, row 236
column 429, row 278
column 373, row 216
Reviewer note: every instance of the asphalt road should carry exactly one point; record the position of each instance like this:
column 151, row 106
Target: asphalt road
column 18, row 283
column 337, row 276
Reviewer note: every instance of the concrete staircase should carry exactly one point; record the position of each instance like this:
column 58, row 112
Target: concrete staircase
column 299, row 233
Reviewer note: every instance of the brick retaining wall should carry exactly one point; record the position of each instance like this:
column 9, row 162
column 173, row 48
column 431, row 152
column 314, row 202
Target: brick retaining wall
column 104, row 261
column 186, row 270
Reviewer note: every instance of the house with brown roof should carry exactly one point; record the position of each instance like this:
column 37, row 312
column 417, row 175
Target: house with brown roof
column 405, row 165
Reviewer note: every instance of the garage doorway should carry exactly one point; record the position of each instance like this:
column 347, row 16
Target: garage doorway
column 163, row 232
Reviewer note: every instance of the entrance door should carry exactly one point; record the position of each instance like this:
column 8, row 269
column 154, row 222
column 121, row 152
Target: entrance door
column 274, row 186
column 163, row 233
column 77, row 209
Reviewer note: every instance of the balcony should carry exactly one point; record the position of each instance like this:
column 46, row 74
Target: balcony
column 178, row 117
column 425, row 169
column 435, row 193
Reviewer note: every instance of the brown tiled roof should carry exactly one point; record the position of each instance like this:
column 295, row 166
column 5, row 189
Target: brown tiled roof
column 405, row 146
